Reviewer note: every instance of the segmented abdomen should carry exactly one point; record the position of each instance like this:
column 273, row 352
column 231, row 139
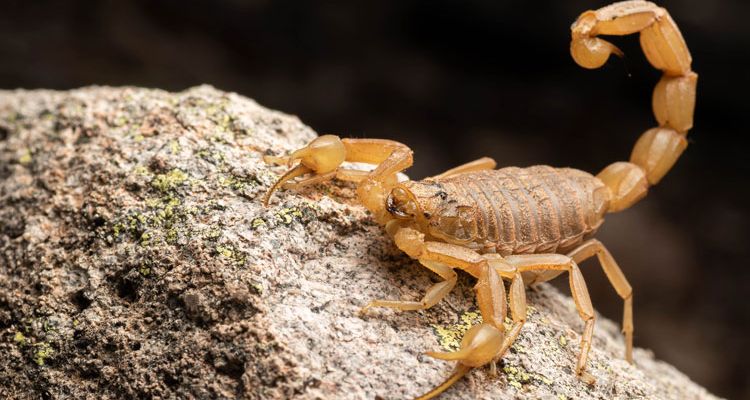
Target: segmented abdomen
column 538, row 209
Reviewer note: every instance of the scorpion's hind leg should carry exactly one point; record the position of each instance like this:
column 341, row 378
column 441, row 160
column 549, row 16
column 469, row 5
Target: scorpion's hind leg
column 557, row 262
column 480, row 164
column 617, row 280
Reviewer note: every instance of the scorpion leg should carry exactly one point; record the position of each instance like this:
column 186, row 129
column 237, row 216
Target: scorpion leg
column 476, row 165
column 482, row 342
column 517, row 296
column 557, row 262
column 617, row 280
column 433, row 295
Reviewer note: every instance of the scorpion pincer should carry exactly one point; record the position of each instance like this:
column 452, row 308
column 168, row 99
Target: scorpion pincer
column 521, row 225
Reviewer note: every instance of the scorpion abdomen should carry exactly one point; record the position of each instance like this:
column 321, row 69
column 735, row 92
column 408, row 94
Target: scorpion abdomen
column 538, row 209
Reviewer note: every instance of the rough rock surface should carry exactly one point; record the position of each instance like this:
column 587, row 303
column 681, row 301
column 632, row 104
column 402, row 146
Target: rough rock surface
column 137, row 262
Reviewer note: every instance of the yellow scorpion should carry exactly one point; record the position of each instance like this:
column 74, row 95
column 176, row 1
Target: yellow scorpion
column 523, row 225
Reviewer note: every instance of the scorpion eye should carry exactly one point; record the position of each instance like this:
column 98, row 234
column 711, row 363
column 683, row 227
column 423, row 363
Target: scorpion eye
column 400, row 204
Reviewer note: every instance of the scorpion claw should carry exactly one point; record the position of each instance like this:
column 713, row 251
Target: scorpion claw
column 322, row 157
column 479, row 346
column 291, row 174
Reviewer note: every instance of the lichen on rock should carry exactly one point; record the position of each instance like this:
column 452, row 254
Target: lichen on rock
column 136, row 261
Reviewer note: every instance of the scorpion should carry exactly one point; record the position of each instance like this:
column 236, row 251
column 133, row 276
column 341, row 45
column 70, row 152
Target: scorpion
column 521, row 225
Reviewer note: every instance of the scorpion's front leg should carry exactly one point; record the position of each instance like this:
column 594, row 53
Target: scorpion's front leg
column 433, row 295
column 483, row 342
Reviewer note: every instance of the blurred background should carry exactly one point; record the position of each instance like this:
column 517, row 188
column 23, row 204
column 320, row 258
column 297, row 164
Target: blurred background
column 457, row 80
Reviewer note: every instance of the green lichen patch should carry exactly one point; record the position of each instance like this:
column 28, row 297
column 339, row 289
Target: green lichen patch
column 519, row 376
column 140, row 170
column 19, row 338
column 174, row 147
column 25, row 158
column 42, row 351
column 211, row 155
column 449, row 336
column 169, row 181
column 285, row 216
column 228, row 251
column 211, row 234
column 257, row 286
column 237, row 183
column 164, row 219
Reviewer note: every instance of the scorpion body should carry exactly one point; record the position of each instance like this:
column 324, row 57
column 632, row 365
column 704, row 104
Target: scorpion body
column 521, row 225
column 514, row 210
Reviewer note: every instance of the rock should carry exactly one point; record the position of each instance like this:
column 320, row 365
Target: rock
column 136, row 261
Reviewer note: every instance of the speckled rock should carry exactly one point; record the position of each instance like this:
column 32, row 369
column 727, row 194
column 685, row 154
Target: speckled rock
column 137, row 262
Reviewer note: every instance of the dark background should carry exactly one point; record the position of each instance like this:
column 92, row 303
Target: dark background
column 457, row 80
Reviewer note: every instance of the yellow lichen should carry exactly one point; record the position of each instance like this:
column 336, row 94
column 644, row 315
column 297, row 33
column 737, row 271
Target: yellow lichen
column 117, row 229
column 257, row 286
column 233, row 182
column 141, row 170
column 169, row 181
column 19, row 338
column 228, row 251
column 25, row 158
column 212, row 234
column 517, row 376
column 146, row 238
column 171, row 236
column 42, row 353
column 174, row 146
column 225, row 251
column 449, row 336
column 120, row 121
column 286, row 215
column 519, row 348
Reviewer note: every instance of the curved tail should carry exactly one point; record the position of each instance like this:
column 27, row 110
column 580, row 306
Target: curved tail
column 673, row 100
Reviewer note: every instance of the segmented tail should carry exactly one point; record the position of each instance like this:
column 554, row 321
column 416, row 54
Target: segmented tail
column 673, row 100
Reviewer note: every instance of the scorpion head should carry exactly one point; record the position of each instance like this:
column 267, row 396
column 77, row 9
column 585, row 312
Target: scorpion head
column 402, row 204
column 430, row 206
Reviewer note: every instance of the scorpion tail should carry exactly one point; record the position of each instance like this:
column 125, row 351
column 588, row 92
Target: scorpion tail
column 457, row 374
column 658, row 148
